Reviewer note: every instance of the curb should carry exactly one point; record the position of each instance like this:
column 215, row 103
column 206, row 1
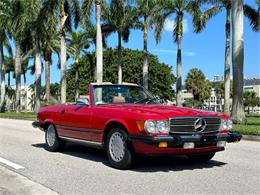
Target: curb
column 251, row 138
column 20, row 119
column 15, row 183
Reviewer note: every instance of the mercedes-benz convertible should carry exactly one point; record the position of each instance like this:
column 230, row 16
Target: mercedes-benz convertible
column 127, row 120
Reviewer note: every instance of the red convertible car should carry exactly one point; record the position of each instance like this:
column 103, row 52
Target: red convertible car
column 127, row 120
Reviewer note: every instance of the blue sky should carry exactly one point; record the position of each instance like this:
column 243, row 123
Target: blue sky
column 204, row 50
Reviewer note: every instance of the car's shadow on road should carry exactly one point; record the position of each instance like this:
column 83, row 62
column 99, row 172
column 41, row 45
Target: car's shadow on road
column 172, row 163
column 143, row 164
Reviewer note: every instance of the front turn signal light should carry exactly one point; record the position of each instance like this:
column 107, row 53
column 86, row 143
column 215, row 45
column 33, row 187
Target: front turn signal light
column 140, row 125
column 163, row 145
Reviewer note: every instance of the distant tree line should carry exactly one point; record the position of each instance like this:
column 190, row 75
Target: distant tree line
column 161, row 78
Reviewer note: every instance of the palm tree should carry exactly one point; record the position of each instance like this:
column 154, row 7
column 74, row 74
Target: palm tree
column 78, row 44
column 67, row 13
column 2, row 70
column 49, row 41
column 50, row 44
column 3, row 39
column 9, row 63
column 4, row 42
column 197, row 83
column 220, row 5
column 24, row 69
column 163, row 10
column 120, row 18
column 253, row 15
column 86, row 9
column 19, row 16
column 238, row 113
column 9, row 68
column 146, row 9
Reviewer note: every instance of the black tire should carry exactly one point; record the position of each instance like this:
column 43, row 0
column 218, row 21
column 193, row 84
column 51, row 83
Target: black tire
column 125, row 156
column 201, row 157
column 55, row 144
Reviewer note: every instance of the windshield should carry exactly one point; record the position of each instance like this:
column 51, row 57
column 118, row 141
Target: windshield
column 121, row 94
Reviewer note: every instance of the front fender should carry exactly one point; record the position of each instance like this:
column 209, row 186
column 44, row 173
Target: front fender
column 117, row 120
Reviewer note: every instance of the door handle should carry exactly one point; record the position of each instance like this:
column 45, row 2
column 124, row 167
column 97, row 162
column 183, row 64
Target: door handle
column 62, row 111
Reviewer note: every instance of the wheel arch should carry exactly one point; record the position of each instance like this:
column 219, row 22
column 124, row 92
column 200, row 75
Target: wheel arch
column 114, row 124
column 46, row 123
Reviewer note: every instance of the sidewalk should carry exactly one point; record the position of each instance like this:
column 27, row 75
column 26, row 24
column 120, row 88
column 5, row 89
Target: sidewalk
column 14, row 183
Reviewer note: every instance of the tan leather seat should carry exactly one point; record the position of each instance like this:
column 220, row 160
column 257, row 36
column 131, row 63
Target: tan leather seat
column 118, row 99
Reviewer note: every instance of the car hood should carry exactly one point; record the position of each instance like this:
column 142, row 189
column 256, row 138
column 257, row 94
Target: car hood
column 163, row 110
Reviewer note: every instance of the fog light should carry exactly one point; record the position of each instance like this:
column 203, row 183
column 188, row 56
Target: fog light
column 221, row 143
column 188, row 145
column 163, row 145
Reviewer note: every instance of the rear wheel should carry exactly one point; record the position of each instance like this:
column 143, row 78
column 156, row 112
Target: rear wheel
column 51, row 138
column 119, row 149
column 201, row 157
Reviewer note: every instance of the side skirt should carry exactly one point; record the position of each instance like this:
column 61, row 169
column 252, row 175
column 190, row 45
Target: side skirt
column 84, row 142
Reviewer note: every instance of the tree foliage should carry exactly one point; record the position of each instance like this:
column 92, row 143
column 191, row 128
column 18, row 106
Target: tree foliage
column 251, row 99
column 198, row 84
column 161, row 77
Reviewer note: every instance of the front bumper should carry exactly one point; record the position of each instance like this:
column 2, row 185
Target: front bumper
column 37, row 124
column 203, row 143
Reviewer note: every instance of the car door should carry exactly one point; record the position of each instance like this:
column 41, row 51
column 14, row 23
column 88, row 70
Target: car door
column 75, row 122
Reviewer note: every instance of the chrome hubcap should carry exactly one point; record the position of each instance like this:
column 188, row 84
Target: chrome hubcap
column 116, row 146
column 51, row 136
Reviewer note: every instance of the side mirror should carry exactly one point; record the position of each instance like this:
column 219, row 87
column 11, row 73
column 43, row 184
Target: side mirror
column 82, row 101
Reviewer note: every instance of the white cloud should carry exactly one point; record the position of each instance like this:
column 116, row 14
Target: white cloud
column 186, row 53
column 185, row 26
column 170, row 24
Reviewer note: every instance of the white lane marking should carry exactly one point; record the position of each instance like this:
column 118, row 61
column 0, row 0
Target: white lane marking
column 11, row 164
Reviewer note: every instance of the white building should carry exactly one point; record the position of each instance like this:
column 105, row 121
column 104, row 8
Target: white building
column 27, row 99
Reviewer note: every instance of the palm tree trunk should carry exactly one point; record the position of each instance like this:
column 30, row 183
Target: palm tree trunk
column 63, row 69
column 2, row 69
column 178, row 82
column 25, row 89
column 37, row 78
column 99, row 44
column 9, row 80
column 227, row 66
column 9, row 84
column 47, row 78
column 145, row 63
column 18, row 77
column 77, row 81
column 238, row 113
column 119, row 62
column 63, row 57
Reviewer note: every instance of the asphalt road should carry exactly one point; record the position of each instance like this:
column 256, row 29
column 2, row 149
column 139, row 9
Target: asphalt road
column 81, row 170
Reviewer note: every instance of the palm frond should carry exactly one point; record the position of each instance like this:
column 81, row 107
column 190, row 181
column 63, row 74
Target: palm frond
column 75, row 11
column 201, row 18
column 87, row 7
column 253, row 16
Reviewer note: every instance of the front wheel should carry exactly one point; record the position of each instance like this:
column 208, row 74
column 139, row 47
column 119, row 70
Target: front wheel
column 51, row 138
column 119, row 150
column 201, row 157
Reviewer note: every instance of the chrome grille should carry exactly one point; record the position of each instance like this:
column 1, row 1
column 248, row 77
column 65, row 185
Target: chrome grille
column 186, row 124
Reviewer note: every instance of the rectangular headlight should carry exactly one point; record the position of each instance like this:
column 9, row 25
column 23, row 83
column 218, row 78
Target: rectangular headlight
column 226, row 124
column 157, row 126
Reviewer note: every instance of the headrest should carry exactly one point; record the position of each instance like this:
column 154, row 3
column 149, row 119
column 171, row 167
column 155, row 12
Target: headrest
column 84, row 96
